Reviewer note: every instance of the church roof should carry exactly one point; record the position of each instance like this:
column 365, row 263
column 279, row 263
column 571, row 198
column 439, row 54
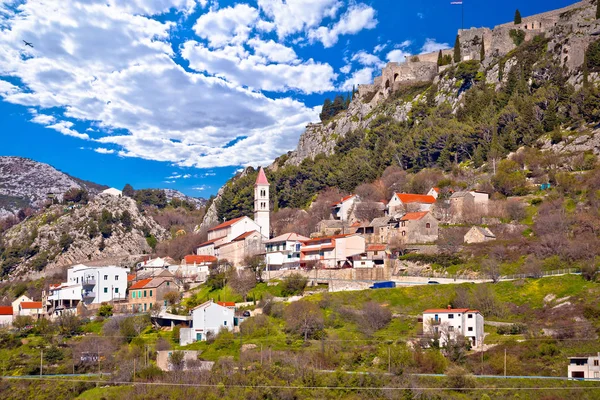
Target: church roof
column 226, row 224
column 261, row 179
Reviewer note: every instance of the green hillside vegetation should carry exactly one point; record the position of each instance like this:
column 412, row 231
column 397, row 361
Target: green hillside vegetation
column 372, row 331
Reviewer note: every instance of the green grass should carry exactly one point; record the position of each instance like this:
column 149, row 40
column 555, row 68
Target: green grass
column 205, row 293
column 101, row 393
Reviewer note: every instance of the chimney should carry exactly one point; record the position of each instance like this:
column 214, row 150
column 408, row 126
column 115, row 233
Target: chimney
column 449, row 307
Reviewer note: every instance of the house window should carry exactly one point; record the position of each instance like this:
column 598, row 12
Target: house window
column 403, row 233
column 139, row 294
column 450, row 328
column 133, row 295
column 145, row 293
column 403, row 223
column 144, row 306
column 116, row 277
column 596, row 363
column 470, row 316
column 150, row 293
column 224, row 323
column 105, row 290
column 151, row 306
column 375, row 253
column 428, row 225
column 116, row 290
column 470, row 329
column 167, row 283
column 105, row 277
column 450, row 316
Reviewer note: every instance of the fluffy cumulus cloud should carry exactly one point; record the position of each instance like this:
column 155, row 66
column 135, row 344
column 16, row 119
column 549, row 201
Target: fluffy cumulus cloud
column 108, row 72
column 355, row 19
column 431, row 45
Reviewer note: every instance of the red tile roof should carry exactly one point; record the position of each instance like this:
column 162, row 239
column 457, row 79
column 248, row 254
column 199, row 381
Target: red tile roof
column 448, row 310
column 31, row 305
column 261, row 179
column 6, row 310
column 307, row 242
column 226, row 224
column 376, row 247
column 192, row 258
column 415, row 198
column 210, row 241
column 243, row 236
column 226, row 303
column 414, row 216
column 140, row 284
column 346, row 198
column 130, row 277
column 437, row 189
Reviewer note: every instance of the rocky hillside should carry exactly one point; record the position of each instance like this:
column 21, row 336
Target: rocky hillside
column 107, row 228
column 27, row 183
column 176, row 194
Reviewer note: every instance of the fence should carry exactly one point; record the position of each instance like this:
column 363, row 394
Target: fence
column 565, row 271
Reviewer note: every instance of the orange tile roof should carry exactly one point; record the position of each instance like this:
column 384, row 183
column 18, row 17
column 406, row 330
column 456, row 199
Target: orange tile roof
column 437, row 189
column 243, row 236
column 140, row 284
column 130, row 277
column 226, row 303
column 327, row 238
column 226, row 224
column 376, row 247
column 31, row 305
column 192, row 258
column 261, row 179
column 6, row 310
column 448, row 310
column 345, row 198
column 414, row 216
column 415, row 198
column 210, row 241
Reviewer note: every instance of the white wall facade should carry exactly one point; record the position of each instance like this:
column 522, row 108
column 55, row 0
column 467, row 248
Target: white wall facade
column 262, row 209
column 98, row 284
column 6, row 320
column 584, row 367
column 284, row 252
column 453, row 322
column 207, row 317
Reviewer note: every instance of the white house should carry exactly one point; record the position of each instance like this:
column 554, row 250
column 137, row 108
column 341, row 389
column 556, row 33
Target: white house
column 6, row 316
column 434, row 192
column 584, row 367
column 90, row 285
column 17, row 301
column 208, row 318
column 24, row 306
column 331, row 251
column 342, row 210
column 193, row 267
column 284, row 250
column 450, row 322
column 112, row 192
column 405, row 202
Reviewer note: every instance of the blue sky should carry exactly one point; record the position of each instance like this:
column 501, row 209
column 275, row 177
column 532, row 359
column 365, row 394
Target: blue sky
column 182, row 93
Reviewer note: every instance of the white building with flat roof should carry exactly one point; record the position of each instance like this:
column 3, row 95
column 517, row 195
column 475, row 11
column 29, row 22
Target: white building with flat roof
column 584, row 367
column 283, row 251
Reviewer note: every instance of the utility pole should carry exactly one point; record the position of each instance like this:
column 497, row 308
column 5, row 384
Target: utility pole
column 389, row 359
column 41, row 361
column 505, row 362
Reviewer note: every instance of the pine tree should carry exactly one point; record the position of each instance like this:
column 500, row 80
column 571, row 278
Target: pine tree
column 482, row 51
column 517, row 17
column 457, row 57
column 586, row 71
column 597, row 9
column 440, row 59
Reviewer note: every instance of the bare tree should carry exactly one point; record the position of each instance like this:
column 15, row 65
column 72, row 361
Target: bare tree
column 374, row 317
column 450, row 240
column 368, row 210
column 372, row 192
column 515, row 210
column 242, row 282
column 257, row 265
column 490, row 267
column 177, row 360
column 304, row 318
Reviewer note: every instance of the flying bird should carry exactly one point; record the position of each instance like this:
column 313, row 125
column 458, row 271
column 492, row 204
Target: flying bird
column 28, row 44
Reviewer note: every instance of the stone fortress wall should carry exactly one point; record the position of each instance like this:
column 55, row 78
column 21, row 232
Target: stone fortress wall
column 577, row 18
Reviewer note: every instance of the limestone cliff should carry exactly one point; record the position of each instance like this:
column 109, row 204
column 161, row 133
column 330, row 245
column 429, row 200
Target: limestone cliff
column 62, row 236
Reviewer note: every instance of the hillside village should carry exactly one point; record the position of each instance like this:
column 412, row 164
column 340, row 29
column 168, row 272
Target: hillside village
column 440, row 232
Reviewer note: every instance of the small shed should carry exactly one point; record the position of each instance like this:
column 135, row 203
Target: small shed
column 478, row 234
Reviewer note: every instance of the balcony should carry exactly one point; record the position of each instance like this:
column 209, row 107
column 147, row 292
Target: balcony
column 88, row 294
column 89, row 281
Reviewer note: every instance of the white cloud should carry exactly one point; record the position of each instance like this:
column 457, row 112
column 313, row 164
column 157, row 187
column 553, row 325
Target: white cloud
column 420, row 15
column 187, row 176
column 431, row 45
column 346, row 69
column 362, row 76
column 356, row 18
column 43, row 119
column 201, row 188
column 174, row 176
column 403, row 45
column 135, row 95
column 103, row 150
column 379, row 48
column 152, row 7
column 397, row 55
column 367, row 59
column 235, row 65
column 229, row 25
column 294, row 16
column 272, row 51
column 209, row 174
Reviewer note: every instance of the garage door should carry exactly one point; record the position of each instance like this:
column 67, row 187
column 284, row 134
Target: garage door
column 577, row 374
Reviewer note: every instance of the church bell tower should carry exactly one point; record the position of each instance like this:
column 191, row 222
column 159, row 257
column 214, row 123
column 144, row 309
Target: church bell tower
column 261, row 203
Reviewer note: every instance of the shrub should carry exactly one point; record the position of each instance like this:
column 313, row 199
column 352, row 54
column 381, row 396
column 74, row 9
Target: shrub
column 517, row 35
column 514, row 329
column 467, row 70
column 105, row 310
column 293, row 284
column 592, row 54
column 65, row 241
column 175, row 334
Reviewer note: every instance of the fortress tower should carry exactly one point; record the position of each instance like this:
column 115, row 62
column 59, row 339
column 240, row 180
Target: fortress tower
column 261, row 203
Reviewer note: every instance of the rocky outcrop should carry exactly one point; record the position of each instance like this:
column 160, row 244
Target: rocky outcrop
column 578, row 144
column 176, row 194
column 62, row 236
column 28, row 183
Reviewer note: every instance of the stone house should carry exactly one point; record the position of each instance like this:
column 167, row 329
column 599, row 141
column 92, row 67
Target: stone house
column 208, row 319
column 247, row 244
column 379, row 230
column 449, row 323
column 467, row 203
column 330, row 227
column 479, row 234
column 150, row 292
column 418, row 228
column 401, row 203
